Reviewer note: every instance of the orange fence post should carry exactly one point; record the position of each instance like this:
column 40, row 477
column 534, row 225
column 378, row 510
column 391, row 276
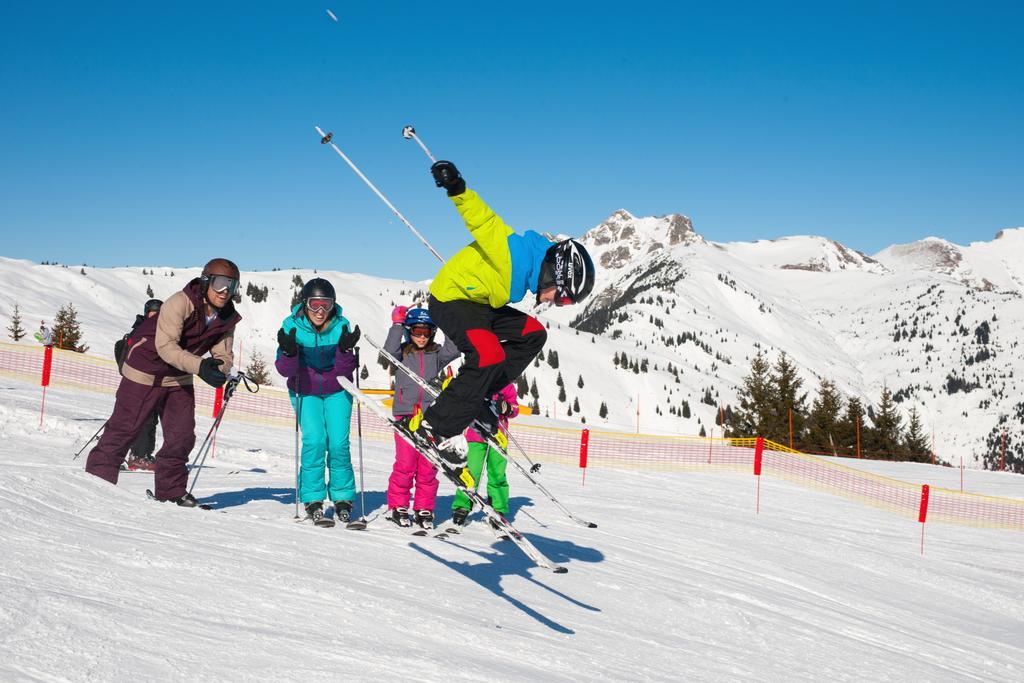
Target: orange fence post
column 1002, row 452
column 790, row 429
column 858, row 438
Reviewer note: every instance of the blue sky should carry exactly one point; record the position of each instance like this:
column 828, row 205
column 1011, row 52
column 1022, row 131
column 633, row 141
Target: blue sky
column 166, row 133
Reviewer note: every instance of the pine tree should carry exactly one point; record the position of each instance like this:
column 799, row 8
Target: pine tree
column 149, row 292
column 886, row 436
column 579, row 382
column 915, row 442
column 66, row 330
column 558, row 380
column 15, row 331
column 576, row 404
column 825, row 416
column 533, row 390
column 257, row 369
column 787, row 399
column 561, row 394
column 522, row 386
column 846, row 437
column 553, row 359
column 757, row 399
column 603, row 410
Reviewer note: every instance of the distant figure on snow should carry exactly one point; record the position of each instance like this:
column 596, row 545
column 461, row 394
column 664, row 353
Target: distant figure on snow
column 44, row 336
column 141, row 452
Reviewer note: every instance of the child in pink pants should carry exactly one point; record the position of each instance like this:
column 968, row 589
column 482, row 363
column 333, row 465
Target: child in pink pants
column 411, row 339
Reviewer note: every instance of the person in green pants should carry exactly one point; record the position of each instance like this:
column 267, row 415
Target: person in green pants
column 507, row 406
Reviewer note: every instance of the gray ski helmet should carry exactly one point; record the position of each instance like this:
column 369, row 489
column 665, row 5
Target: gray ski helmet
column 317, row 288
column 152, row 305
column 569, row 269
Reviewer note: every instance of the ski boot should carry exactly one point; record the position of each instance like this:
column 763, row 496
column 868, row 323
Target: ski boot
column 453, row 449
column 188, row 501
column 425, row 519
column 342, row 511
column 136, row 463
column 400, row 516
column 315, row 513
column 460, row 516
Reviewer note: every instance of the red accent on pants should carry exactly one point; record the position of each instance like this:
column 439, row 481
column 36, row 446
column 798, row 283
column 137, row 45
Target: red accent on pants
column 532, row 325
column 487, row 347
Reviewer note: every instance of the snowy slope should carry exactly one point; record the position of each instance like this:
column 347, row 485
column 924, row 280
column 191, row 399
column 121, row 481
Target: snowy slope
column 696, row 587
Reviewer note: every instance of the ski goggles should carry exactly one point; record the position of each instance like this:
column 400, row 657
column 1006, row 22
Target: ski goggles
column 223, row 283
column 320, row 304
column 421, row 331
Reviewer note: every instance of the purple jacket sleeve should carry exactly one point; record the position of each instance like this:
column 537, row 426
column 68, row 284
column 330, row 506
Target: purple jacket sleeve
column 287, row 366
column 344, row 366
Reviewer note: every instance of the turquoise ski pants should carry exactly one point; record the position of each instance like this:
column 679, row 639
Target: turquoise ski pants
column 324, row 421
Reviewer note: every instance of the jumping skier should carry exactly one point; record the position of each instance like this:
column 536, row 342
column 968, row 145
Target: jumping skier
column 411, row 339
column 507, row 405
column 469, row 301
column 166, row 350
column 141, row 452
column 315, row 347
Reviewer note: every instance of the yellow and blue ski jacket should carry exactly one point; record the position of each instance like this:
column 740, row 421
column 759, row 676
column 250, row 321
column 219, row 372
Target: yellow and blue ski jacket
column 498, row 267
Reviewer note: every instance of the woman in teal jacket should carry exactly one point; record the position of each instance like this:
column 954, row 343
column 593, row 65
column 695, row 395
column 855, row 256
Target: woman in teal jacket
column 315, row 348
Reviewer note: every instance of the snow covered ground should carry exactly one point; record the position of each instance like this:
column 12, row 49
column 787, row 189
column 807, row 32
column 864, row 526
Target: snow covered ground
column 681, row 581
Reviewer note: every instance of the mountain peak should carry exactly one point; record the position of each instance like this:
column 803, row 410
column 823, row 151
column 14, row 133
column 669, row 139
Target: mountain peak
column 622, row 236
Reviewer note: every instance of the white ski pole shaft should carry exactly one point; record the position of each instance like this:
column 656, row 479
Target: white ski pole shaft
column 409, row 133
column 325, row 138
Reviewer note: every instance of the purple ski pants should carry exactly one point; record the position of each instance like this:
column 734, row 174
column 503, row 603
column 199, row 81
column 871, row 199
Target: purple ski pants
column 132, row 407
column 410, row 465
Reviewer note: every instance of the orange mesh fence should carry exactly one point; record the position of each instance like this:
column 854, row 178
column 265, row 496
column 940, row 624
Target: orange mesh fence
column 588, row 448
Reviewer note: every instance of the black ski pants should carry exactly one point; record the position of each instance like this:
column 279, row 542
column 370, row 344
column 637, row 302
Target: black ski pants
column 497, row 345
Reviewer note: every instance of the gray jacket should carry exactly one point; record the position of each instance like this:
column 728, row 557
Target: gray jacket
column 428, row 364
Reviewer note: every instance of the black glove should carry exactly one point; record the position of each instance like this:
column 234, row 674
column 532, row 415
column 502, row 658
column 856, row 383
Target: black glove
column 286, row 341
column 209, row 372
column 447, row 176
column 348, row 339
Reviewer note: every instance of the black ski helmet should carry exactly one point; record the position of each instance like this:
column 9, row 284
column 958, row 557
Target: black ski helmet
column 317, row 288
column 569, row 269
column 152, row 305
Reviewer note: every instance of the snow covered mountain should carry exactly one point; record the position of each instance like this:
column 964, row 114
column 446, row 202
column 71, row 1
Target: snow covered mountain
column 934, row 322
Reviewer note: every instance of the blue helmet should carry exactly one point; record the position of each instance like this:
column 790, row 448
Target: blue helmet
column 418, row 316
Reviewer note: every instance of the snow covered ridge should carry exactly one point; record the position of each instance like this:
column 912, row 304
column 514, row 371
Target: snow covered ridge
column 693, row 310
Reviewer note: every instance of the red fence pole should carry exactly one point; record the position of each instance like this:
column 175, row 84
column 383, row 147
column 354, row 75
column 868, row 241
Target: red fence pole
column 44, row 380
column 922, row 513
column 584, row 447
column 858, row 438
column 758, row 454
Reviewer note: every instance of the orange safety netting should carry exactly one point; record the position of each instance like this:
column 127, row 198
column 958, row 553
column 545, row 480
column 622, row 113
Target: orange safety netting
column 590, row 448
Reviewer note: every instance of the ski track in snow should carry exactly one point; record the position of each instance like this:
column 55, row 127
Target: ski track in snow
column 680, row 581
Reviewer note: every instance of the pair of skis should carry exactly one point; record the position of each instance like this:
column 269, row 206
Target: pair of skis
column 433, row 392
column 436, row 459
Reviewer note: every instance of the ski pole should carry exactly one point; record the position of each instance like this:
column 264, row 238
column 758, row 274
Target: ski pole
column 298, row 411
column 91, row 439
column 229, row 391
column 325, row 139
column 409, row 133
column 359, row 434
